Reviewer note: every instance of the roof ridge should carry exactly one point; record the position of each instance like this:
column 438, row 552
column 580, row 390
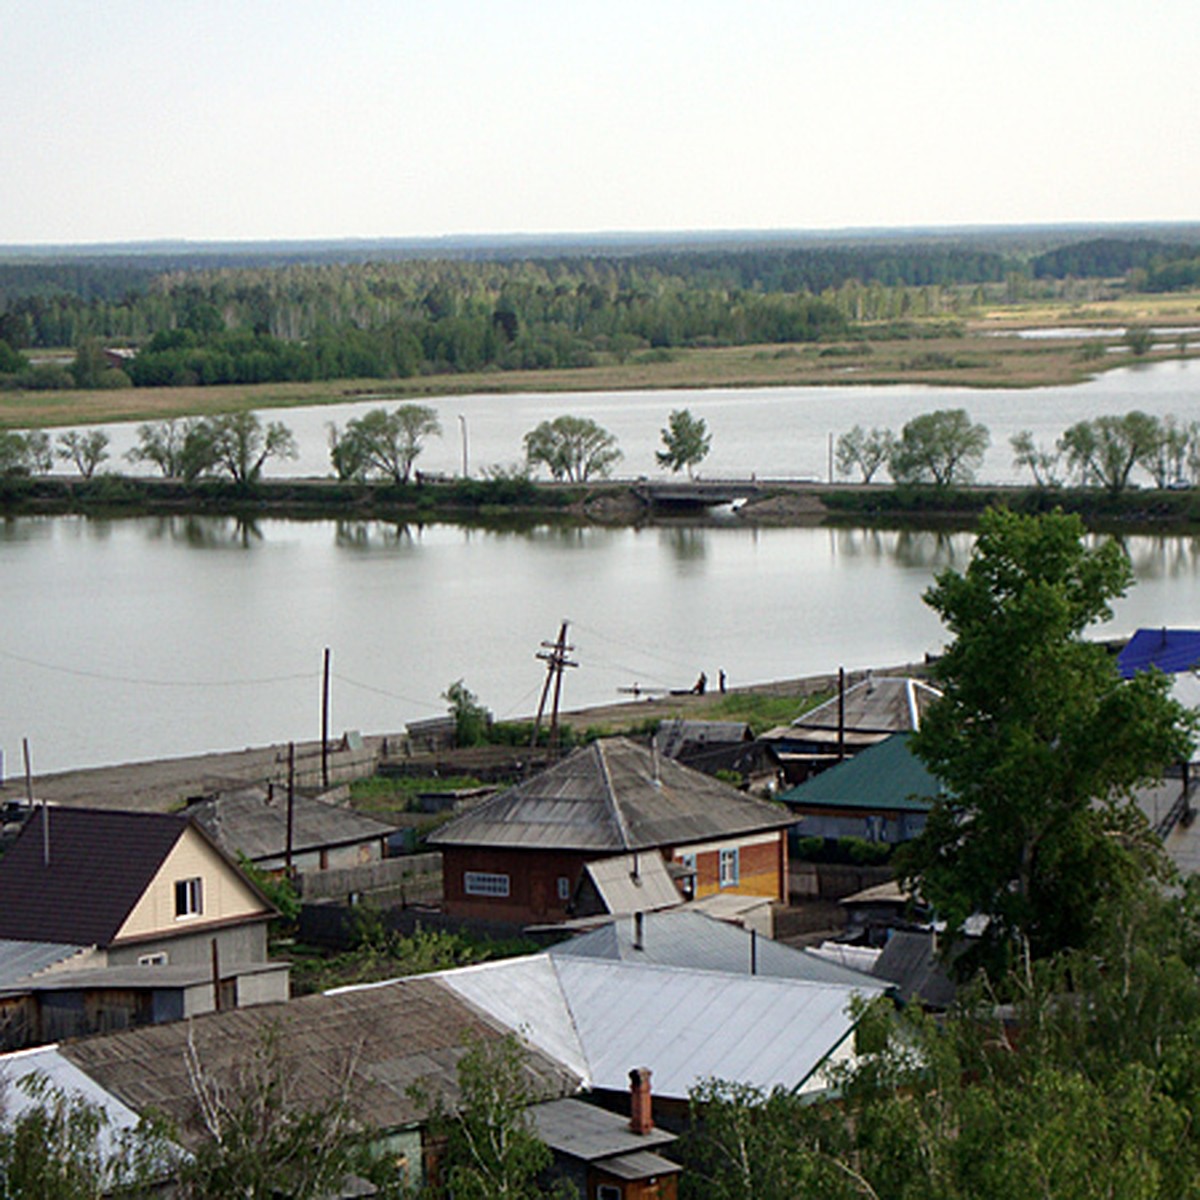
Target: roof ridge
column 610, row 794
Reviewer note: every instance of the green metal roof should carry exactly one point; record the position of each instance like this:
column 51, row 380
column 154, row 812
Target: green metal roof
column 884, row 776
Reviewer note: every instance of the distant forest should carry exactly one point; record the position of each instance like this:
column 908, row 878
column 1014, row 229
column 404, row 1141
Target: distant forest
column 233, row 316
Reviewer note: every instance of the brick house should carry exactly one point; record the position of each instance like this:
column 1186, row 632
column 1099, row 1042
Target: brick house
column 519, row 856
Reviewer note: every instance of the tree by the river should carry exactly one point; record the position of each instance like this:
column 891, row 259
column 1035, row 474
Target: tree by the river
column 574, row 449
column 383, row 443
column 686, row 441
column 864, row 451
column 942, row 448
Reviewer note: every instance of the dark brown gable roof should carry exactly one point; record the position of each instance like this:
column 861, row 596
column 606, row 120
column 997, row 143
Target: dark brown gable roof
column 612, row 796
column 382, row 1039
column 100, row 863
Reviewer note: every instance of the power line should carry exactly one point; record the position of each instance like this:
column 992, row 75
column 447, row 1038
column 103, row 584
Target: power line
column 104, row 677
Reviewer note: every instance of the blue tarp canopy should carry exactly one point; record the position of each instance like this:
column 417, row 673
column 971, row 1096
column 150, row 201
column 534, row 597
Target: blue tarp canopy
column 1170, row 650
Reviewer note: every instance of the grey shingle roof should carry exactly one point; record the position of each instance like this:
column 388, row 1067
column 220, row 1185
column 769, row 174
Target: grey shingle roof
column 381, row 1039
column 255, row 824
column 612, row 796
column 100, row 863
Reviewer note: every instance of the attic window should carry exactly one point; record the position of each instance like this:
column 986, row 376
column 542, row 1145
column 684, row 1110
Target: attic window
column 189, row 897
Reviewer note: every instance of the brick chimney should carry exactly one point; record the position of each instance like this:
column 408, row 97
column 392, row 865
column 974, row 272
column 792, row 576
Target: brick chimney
column 641, row 1106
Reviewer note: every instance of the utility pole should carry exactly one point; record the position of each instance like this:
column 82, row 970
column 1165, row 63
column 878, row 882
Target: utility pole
column 554, row 655
column 466, row 461
column 291, row 809
column 325, row 722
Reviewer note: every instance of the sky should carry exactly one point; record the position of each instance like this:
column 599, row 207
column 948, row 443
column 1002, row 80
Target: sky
column 295, row 119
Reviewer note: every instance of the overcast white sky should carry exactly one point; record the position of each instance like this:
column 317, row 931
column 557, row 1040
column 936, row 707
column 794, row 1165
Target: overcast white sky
column 222, row 119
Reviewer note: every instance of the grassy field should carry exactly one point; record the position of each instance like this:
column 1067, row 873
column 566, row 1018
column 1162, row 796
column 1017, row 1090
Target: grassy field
column 981, row 357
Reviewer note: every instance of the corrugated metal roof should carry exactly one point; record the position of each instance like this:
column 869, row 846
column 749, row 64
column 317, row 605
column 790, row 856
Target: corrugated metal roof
column 640, row 1164
column 678, row 734
column 629, row 883
column 1169, row 650
column 685, row 1025
column 877, row 704
column 254, row 822
column 611, row 796
column 690, row 939
column 19, row 960
column 884, row 776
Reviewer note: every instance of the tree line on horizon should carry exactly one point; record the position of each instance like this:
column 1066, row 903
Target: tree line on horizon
column 388, row 319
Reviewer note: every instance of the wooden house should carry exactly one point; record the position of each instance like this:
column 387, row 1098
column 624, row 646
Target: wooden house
column 110, row 919
column 519, row 856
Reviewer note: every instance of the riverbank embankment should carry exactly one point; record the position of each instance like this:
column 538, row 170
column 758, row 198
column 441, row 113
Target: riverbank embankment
column 163, row 785
column 779, row 502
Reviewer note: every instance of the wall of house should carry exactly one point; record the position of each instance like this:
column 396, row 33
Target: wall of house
column 192, row 946
column 226, row 895
column 533, row 883
column 761, row 865
column 890, row 828
column 334, row 858
column 659, row 1187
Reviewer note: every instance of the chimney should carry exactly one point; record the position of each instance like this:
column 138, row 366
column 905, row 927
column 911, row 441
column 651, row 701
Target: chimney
column 639, row 931
column 641, row 1106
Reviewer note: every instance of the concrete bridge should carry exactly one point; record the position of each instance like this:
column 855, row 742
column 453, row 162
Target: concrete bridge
column 695, row 493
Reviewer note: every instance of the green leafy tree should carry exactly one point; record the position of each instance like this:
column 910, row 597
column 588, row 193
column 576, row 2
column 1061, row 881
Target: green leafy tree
column 1139, row 339
column 179, row 449
column 864, row 451
column 262, row 1141
column 686, row 440
column 24, row 453
column 1042, row 464
column 1165, row 458
column 492, row 1150
column 1038, row 742
column 383, row 443
column 942, row 448
column 471, row 719
column 63, row 1147
column 574, row 449
column 239, row 445
column 86, row 450
column 1105, row 450
column 12, row 362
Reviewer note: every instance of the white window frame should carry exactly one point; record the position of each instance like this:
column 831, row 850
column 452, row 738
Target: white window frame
column 729, row 868
column 158, row 959
column 564, row 888
column 192, row 897
column 608, row 1191
column 487, row 883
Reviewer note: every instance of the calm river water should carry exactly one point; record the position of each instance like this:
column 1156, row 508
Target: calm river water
column 148, row 637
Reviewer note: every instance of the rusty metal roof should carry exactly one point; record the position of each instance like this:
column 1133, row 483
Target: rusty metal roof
column 376, row 1041
column 612, row 796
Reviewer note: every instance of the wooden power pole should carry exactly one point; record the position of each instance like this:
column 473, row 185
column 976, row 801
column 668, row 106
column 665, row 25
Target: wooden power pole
column 554, row 655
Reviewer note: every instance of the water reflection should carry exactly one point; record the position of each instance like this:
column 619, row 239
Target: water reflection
column 205, row 533
column 1162, row 557
column 688, row 544
column 915, row 549
column 367, row 535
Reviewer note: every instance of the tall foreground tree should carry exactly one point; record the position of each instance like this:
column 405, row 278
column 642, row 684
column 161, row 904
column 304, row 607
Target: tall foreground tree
column 1038, row 741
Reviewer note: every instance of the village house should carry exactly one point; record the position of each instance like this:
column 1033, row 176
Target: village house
column 519, row 856
column 882, row 794
column 863, row 715
column 110, row 919
column 314, row 835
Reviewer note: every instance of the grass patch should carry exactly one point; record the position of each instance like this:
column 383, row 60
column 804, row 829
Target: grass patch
column 380, row 796
column 760, row 712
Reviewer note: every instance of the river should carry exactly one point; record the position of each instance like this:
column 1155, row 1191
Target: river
column 142, row 638
column 148, row 637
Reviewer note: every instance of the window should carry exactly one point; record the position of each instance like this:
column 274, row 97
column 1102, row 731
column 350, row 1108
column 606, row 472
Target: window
column 189, row 897
column 608, row 1191
column 153, row 960
column 481, row 883
column 729, row 868
column 564, row 888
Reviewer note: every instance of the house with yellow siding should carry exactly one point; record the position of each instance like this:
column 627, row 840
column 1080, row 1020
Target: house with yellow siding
column 149, row 920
